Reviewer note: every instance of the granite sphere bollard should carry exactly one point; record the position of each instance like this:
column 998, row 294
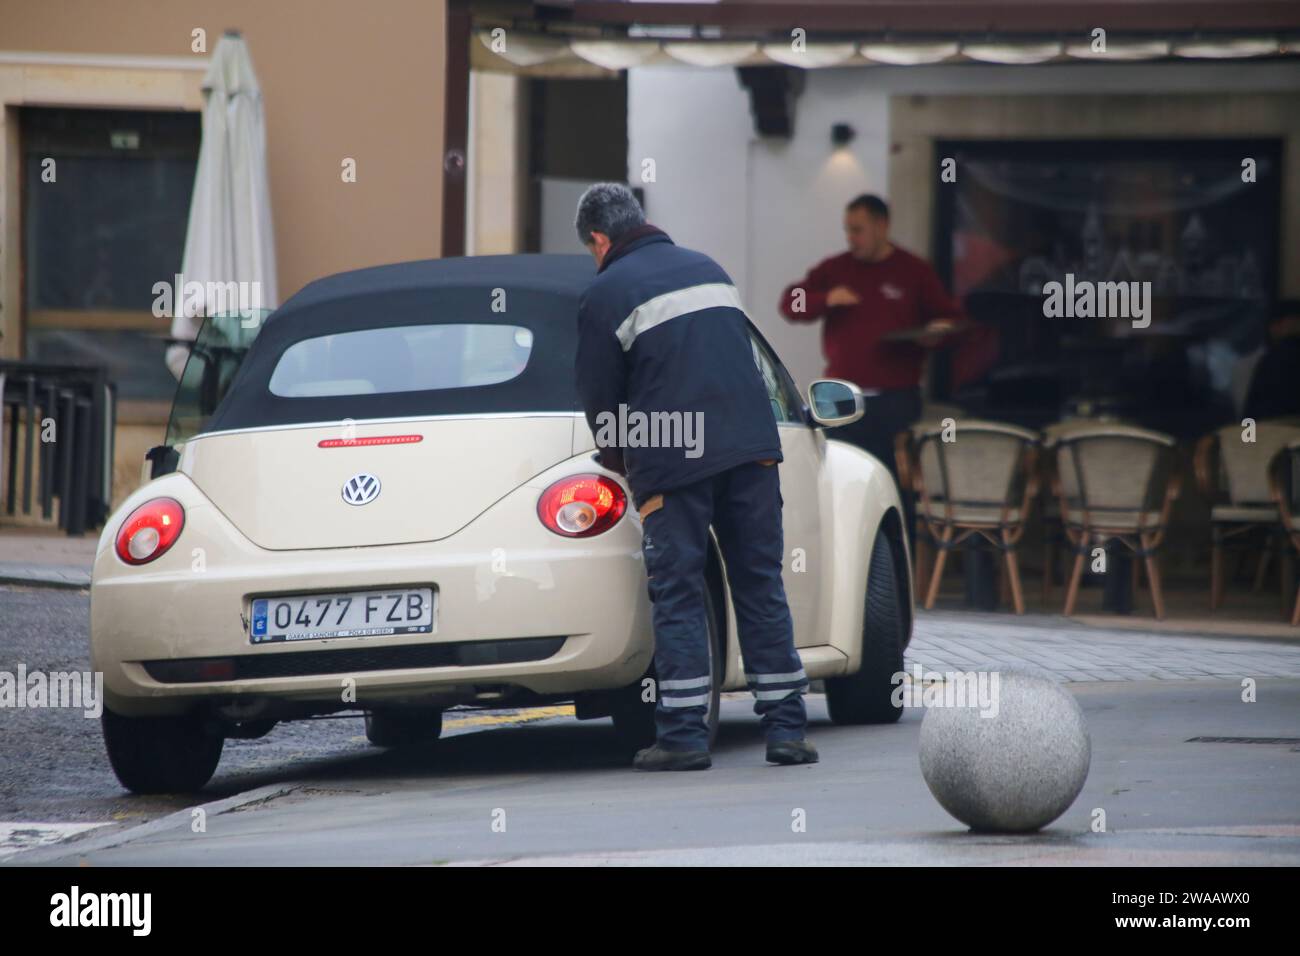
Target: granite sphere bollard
column 1015, row 767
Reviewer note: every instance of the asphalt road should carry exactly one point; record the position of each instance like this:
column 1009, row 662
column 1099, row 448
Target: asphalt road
column 52, row 762
column 559, row 790
column 53, row 767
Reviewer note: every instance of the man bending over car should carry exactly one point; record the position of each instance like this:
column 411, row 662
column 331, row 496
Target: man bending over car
column 662, row 332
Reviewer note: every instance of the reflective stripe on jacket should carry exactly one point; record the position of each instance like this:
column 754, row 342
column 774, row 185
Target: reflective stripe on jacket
column 663, row 341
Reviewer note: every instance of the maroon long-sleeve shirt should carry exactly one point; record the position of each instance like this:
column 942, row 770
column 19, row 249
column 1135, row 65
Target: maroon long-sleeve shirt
column 901, row 291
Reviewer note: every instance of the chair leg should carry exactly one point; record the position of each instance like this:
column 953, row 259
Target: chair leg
column 924, row 557
column 1295, row 615
column 1286, row 570
column 1265, row 558
column 1048, row 554
column 1013, row 573
column 1153, row 575
column 1072, row 591
column 936, row 575
column 1157, row 596
column 1216, row 574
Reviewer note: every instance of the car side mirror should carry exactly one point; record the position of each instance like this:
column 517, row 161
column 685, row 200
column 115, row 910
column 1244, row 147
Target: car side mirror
column 833, row 401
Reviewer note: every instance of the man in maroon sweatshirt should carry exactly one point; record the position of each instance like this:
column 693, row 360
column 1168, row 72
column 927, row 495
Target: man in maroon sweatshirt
column 862, row 295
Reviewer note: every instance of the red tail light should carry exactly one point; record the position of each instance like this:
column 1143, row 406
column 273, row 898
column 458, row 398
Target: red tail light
column 150, row 530
column 580, row 506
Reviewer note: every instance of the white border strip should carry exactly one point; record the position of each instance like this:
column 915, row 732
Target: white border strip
column 76, row 846
column 16, row 838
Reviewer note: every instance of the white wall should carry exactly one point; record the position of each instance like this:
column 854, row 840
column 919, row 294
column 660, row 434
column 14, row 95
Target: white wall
column 799, row 191
column 768, row 210
column 765, row 210
column 694, row 126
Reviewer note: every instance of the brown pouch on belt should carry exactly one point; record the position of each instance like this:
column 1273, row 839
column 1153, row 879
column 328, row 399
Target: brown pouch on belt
column 653, row 504
column 768, row 461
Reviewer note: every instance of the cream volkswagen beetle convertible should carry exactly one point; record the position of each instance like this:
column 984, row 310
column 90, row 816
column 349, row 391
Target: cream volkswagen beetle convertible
column 393, row 508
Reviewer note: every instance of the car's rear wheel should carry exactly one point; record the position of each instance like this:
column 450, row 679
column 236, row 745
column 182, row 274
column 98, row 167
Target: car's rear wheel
column 634, row 718
column 866, row 697
column 161, row 754
column 403, row 728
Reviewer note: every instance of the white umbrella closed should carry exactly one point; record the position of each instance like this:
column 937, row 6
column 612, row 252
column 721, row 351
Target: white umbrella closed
column 229, row 243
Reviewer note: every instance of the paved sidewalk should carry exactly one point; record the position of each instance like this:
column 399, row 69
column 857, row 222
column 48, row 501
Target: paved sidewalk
column 953, row 641
column 46, row 559
column 44, row 575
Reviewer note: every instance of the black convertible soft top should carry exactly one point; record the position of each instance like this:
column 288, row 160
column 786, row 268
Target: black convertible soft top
column 538, row 292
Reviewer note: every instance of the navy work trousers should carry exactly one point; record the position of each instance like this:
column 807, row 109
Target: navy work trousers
column 743, row 504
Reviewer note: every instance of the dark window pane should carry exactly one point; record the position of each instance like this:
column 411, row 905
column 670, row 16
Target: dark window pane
column 106, row 231
column 99, row 236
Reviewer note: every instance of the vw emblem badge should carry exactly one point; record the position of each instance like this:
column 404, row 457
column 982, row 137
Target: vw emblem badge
column 361, row 489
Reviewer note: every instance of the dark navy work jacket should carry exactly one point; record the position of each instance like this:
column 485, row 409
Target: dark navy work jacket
column 661, row 330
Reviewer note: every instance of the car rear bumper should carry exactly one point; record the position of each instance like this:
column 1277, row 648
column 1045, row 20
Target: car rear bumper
column 518, row 608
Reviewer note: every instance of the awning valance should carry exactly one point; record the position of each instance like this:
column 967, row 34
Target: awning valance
column 516, row 50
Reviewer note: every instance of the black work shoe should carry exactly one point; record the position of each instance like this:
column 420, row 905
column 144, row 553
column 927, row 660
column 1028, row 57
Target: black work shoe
column 791, row 751
column 656, row 758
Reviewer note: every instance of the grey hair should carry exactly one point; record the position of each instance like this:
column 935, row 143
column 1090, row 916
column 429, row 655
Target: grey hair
column 610, row 208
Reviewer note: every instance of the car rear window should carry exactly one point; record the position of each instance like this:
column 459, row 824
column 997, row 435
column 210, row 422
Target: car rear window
column 407, row 358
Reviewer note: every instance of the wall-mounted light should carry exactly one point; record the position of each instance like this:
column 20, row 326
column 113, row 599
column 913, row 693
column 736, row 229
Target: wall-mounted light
column 842, row 134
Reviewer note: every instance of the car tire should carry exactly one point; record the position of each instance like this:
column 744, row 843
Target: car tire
column 403, row 728
column 634, row 719
column 161, row 754
column 866, row 697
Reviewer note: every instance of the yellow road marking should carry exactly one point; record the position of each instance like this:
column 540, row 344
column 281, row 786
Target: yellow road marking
column 518, row 717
